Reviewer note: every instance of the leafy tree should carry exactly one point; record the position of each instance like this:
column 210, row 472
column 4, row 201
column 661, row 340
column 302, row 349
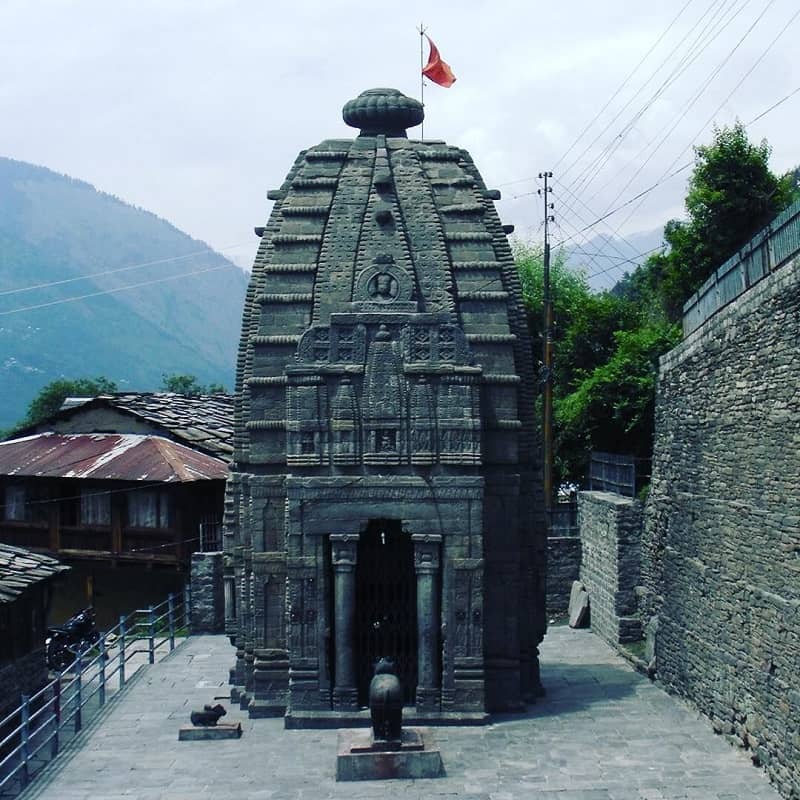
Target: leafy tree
column 607, row 344
column 585, row 338
column 732, row 195
column 52, row 396
column 613, row 407
column 188, row 385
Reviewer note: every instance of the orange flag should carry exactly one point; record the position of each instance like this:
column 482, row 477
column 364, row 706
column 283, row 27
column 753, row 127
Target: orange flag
column 437, row 70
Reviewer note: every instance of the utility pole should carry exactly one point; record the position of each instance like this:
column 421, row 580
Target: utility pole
column 547, row 358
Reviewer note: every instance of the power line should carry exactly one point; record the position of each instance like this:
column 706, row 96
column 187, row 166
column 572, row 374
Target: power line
column 582, row 220
column 774, row 106
column 140, row 265
column 696, row 49
column 631, row 200
column 624, row 83
column 728, row 97
column 638, row 92
column 112, row 291
column 621, row 111
column 688, row 107
column 629, row 261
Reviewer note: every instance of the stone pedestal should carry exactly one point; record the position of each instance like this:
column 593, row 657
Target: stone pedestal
column 222, row 730
column 360, row 758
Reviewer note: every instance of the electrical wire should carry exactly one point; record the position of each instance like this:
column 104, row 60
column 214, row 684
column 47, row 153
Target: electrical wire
column 774, row 106
column 696, row 49
column 51, row 303
column 648, row 80
column 728, row 97
column 688, row 107
column 140, row 265
column 699, row 49
column 623, row 84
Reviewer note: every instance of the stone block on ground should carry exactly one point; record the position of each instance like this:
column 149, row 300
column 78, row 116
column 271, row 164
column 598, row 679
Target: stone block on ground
column 357, row 760
column 205, row 733
column 578, row 606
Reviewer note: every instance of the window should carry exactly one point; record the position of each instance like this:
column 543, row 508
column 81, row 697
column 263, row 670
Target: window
column 15, row 502
column 148, row 508
column 95, row 507
column 26, row 502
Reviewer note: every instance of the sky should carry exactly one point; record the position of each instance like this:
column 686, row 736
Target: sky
column 193, row 110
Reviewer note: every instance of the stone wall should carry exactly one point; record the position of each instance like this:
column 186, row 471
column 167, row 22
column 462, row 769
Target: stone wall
column 207, row 594
column 610, row 527
column 563, row 568
column 721, row 541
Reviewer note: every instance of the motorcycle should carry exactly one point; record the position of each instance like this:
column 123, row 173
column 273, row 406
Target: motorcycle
column 64, row 642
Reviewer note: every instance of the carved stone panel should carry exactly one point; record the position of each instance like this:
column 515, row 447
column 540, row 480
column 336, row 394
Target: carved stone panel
column 384, row 286
column 306, row 426
column 302, row 612
column 383, row 402
column 468, row 613
column 274, row 612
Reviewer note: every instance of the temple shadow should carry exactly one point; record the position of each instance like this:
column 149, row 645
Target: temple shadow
column 578, row 672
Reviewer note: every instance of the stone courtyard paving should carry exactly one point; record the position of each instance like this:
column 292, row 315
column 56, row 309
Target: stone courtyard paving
column 603, row 732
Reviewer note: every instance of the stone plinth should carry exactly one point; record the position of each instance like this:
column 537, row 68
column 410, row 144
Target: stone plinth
column 359, row 759
column 226, row 730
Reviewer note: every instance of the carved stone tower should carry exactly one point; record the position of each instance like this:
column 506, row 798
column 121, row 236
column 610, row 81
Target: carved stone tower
column 385, row 499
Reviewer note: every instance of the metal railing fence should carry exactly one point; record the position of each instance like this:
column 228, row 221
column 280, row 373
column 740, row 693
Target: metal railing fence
column 35, row 732
column 620, row 474
column 772, row 247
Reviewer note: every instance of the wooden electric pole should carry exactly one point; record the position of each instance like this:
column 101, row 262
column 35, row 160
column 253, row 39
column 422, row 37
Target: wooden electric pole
column 547, row 358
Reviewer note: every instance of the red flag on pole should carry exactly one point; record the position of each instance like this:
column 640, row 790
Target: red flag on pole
column 437, row 70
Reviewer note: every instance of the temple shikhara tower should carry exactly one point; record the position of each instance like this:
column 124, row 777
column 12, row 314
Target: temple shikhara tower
column 385, row 498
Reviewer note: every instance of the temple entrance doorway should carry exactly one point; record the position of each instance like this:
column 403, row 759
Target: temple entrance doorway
column 386, row 606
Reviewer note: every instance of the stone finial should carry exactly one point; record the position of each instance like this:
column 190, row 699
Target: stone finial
column 386, row 111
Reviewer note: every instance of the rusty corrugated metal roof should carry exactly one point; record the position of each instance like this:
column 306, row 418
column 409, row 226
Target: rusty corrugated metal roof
column 20, row 569
column 107, row 456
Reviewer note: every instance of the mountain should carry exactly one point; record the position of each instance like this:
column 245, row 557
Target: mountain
column 60, row 238
column 605, row 259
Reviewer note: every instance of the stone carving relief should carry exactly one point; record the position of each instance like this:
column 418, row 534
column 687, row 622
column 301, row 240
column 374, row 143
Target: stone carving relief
column 383, row 393
column 384, row 286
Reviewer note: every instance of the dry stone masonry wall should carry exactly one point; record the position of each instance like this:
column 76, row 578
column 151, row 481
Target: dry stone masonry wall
column 610, row 528
column 207, row 614
column 721, row 543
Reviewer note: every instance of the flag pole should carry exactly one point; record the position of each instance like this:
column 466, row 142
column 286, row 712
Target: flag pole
column 421, row 79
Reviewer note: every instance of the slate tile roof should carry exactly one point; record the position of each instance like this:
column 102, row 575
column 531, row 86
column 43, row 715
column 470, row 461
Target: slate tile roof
column 204, row 422
column 20, row 569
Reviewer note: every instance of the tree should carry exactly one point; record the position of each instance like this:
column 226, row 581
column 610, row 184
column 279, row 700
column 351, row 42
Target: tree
column 732, row 195
column 613, row 407
column 607, row 344
column 52, row 396
column 188, row 385
column 585, row 339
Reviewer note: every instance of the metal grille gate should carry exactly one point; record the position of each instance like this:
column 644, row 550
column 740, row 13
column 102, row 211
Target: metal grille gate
column 386, row 606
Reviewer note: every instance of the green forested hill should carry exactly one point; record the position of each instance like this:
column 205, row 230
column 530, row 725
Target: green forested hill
column 53, row 229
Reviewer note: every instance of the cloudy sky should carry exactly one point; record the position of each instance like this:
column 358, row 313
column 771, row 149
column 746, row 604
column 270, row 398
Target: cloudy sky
column 193, row 110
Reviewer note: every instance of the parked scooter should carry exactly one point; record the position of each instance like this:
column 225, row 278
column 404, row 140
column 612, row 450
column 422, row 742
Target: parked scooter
column 64, row 642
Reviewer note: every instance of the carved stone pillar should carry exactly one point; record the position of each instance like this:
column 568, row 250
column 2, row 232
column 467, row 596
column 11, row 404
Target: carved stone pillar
column 426, row 564
column 344, row 555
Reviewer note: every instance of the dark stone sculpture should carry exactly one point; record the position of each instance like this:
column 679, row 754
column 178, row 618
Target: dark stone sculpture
column 209, row 716
column 386, row 703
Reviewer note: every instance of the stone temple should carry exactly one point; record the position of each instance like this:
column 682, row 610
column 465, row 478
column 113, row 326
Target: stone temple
column 385, row 498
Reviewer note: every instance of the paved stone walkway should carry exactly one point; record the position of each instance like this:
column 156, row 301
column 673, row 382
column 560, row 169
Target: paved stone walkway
column 602, row 733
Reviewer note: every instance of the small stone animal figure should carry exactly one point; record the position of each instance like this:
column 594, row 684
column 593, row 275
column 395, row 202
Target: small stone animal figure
column 386, row 702
column 208, row 716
